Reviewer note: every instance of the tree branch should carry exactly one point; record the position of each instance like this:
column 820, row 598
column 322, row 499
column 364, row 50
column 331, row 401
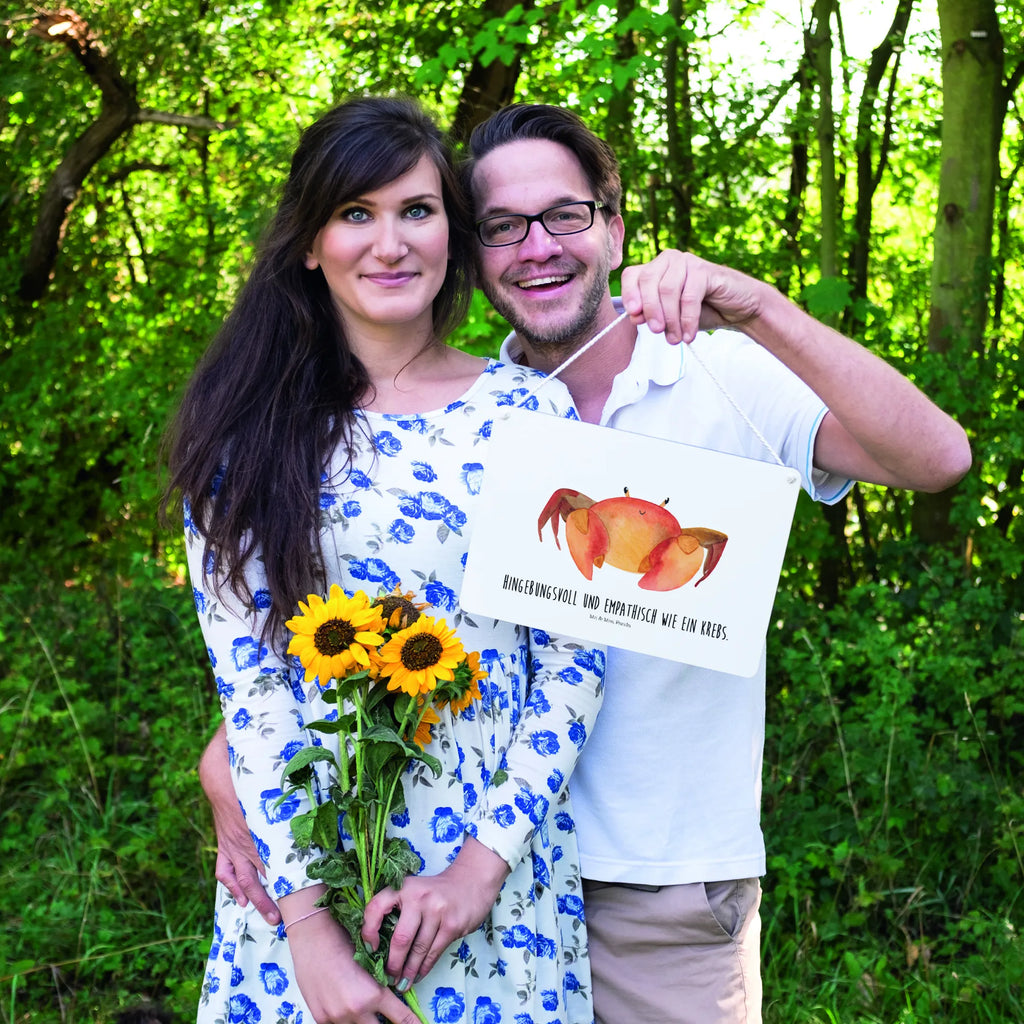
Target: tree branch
column 119, row 113
column 206, row 124
column 486, row 89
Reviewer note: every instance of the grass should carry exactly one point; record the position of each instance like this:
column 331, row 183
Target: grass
column 893, row 823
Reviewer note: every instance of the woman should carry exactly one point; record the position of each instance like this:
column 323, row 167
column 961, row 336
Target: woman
column 330, row 436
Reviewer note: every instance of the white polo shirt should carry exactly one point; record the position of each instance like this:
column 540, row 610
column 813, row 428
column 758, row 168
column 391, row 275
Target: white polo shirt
column 668, row 788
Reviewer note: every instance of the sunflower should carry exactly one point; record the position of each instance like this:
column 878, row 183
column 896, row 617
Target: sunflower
column 424, row 734
column 331, row 637
column 472, row 691
column 399, row 609
column 417, row 657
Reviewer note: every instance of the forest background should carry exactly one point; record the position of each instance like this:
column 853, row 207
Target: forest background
column 865, row 157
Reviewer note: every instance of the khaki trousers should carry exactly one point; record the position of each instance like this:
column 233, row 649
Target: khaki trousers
column 675, row 954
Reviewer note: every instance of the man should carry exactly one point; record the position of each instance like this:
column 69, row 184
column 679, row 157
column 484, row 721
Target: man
column 671, row 853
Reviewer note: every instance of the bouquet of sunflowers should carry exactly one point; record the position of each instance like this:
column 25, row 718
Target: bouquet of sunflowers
column 389, row 669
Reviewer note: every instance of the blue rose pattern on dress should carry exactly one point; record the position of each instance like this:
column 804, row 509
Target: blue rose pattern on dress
column 403, row 515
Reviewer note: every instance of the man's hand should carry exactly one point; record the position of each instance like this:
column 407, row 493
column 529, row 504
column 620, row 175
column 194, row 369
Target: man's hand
column 680, row 293
column 435, row 910
column 238, row 865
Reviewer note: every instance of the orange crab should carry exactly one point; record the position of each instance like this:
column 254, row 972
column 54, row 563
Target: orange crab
column 634, row 535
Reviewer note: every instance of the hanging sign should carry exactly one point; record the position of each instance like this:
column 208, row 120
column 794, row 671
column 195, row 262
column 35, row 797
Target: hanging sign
column 629, row 541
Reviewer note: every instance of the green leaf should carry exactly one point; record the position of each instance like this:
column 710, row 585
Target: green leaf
column 429, row 760
column 828, row 297
column 325, row 828
column 372, row 963
column 298, row 769
column 302, row 826
column 385, row 761
column 381, row 694
column 382, row 733
column 338, row 869
column 398, row 861
column 330, row 727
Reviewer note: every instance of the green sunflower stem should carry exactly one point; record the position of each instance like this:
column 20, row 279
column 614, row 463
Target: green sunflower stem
column 381, row 824
column 360, row 834
column 414, row 1004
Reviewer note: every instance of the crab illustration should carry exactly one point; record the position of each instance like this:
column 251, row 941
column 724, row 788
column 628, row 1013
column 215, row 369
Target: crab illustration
column 634, row 535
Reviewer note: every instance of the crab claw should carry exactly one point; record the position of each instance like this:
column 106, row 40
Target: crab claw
column 713, row 543
column 561, row 505
column 588, row 540
column 676, row 560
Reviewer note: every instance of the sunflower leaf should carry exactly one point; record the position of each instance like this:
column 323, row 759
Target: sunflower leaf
column 377, row 695
column 325, row 828
column 429, row 760
column 302, row 826
column 297, row 771
column 372, row 963
column 338, row 869
column 382, row 733
column 398, row 861
column 329, row 726
column 384, row 762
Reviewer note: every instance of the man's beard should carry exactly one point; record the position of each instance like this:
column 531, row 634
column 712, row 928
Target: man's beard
column 565, row 337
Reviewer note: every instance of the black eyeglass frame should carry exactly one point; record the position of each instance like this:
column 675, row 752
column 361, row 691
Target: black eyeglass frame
column 593, row 205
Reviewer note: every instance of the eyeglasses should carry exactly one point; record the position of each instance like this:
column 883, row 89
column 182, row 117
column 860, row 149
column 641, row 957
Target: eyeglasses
column 564, row 219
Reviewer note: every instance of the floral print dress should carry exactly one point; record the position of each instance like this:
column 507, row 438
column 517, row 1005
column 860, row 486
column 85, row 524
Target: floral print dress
column 402, row 516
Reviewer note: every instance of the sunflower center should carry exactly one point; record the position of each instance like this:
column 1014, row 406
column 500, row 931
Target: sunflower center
column 334, row 636
column 421, row 651
column 391, row 603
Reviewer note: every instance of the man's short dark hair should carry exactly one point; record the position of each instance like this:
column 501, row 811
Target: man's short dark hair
column 521, row 121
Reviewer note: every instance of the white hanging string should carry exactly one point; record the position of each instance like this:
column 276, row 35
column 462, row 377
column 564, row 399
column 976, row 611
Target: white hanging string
column 690, row 351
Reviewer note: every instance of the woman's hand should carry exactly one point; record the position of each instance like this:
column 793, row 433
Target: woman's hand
column 238, row 865
column 336, row 989
column 435, row 910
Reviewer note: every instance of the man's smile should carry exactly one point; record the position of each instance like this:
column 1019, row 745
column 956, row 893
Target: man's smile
column 540, row 282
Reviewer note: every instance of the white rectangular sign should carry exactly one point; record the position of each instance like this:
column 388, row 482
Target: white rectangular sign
column 629, row 541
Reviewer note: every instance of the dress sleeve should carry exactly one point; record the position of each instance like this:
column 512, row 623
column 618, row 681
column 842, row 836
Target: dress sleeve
column 264, row 707
column 564, row 696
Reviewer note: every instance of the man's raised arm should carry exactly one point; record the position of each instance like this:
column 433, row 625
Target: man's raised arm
column 881, row 428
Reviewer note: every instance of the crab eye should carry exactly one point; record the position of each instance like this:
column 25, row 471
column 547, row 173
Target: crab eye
column 664, row 503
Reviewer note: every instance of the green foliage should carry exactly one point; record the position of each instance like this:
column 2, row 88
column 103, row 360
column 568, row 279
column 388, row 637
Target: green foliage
column 893, row 823
column 106, row 881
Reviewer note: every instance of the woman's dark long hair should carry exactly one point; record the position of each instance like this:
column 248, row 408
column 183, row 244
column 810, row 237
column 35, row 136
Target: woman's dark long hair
column 276, row 393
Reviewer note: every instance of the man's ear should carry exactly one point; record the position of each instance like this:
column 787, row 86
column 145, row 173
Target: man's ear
column 616, row 236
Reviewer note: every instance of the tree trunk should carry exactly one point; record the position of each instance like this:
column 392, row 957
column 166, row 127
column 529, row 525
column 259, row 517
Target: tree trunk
column 973, row 107
column 799, row 175
column 819, row 53
column 679, row 132
column 486, row 89
column 836, row 561
column 869, row 171
column 117, row 115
